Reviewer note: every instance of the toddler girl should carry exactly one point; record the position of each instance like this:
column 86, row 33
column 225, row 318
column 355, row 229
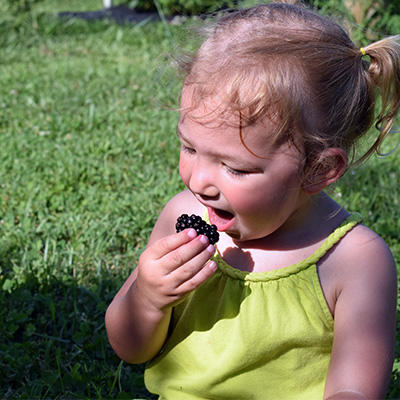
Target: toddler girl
column 298, row 298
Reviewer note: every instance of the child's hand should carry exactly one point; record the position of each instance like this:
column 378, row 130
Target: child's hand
column 172, row 267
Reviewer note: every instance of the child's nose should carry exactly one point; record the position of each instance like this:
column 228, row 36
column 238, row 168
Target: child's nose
column 202, row 181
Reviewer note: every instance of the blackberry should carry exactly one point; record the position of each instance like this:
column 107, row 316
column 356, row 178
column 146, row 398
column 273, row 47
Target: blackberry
column 202, row 228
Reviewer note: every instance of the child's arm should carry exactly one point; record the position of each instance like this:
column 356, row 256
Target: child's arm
column 172, row 265
column 364, row 321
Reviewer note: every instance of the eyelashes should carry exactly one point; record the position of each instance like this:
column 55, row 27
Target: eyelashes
column 236, row 173
column 187, row 149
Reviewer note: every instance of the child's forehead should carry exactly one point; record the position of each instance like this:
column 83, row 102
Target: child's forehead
column 210, row 119
column 206, row 107
column 212, row 114
column 213, row 108
column 203, row 107
column 216, row 117
column 214, row 102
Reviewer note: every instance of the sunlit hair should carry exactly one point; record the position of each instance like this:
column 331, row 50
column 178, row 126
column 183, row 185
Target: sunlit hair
column 302, row 71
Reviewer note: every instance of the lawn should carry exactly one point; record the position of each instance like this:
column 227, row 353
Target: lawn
column 88, row 158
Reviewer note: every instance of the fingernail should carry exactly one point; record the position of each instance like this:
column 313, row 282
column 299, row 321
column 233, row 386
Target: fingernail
column 191, row 233
column 212, row 265
column 203, row 239
column 211, row 249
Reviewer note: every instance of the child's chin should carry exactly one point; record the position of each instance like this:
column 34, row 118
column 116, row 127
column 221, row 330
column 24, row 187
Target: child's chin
column 222, row 219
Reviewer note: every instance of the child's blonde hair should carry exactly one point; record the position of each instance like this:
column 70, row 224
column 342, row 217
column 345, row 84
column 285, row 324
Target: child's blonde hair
column 302, row 71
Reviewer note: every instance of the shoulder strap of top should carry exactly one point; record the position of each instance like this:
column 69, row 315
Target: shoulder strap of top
column 347, row 225
column 332, row 239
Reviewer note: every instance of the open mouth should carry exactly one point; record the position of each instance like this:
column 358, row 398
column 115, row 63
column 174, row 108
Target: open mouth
column 222, row 219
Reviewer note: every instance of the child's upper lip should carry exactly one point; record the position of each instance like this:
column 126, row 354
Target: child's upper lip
column 212, row 206
column 208, row 206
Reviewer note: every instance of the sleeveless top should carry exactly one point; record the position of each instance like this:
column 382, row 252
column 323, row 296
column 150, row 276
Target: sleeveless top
column 250, row 335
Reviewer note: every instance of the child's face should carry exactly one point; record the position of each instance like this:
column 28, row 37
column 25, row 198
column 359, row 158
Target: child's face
column 248, row 196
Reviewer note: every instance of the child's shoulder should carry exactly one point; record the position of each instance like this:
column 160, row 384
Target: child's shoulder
column 182, row 203
column 359, row 282
column 366, row 246
column 360, row 264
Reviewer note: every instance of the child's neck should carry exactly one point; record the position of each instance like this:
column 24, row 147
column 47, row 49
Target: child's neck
column 293, row 242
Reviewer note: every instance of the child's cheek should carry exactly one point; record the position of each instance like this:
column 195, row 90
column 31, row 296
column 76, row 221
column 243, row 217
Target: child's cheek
column 242, row 203
column 239, row 200
column 184, row 171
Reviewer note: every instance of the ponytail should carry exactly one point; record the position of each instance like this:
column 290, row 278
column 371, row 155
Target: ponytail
column 384, row 75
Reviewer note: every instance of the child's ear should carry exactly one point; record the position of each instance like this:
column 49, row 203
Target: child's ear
column 328, row 169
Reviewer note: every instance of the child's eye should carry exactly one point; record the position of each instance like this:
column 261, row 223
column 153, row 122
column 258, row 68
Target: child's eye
column 236, row 172
column 187, row 149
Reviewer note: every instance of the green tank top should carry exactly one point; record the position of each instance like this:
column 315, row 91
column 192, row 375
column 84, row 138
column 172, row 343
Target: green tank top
column 248, row 335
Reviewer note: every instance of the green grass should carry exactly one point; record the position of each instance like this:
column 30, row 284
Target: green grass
column 87, row 161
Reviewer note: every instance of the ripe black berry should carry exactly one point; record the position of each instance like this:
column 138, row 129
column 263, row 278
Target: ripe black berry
column 202, row 228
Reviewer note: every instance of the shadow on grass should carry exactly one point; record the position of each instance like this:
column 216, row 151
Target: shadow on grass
column 53, row 344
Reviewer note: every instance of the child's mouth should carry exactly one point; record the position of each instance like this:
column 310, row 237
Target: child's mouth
column 222, row 219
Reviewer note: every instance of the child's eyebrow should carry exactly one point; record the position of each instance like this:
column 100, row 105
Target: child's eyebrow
column 180, row 135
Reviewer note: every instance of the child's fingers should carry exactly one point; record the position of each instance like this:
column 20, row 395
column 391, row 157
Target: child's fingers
column 167, row 280
column 169, row 243
column 192, row 267
column 198, row 279
column 175, row 251
column 186, row 254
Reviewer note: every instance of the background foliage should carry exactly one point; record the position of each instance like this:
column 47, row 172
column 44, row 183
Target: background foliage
column 88, row 159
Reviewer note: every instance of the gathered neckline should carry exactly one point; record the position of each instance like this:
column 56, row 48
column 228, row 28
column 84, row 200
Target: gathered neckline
column 283, row 272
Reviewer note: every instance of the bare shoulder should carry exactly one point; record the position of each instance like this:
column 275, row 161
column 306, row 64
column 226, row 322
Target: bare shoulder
column 359, row 253
column 366, row 252
column 182, row 203
column 370, row 263
column 359, row 280
column 361, row 262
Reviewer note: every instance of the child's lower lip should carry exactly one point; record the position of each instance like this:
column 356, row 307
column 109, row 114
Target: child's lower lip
column 222, row 219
